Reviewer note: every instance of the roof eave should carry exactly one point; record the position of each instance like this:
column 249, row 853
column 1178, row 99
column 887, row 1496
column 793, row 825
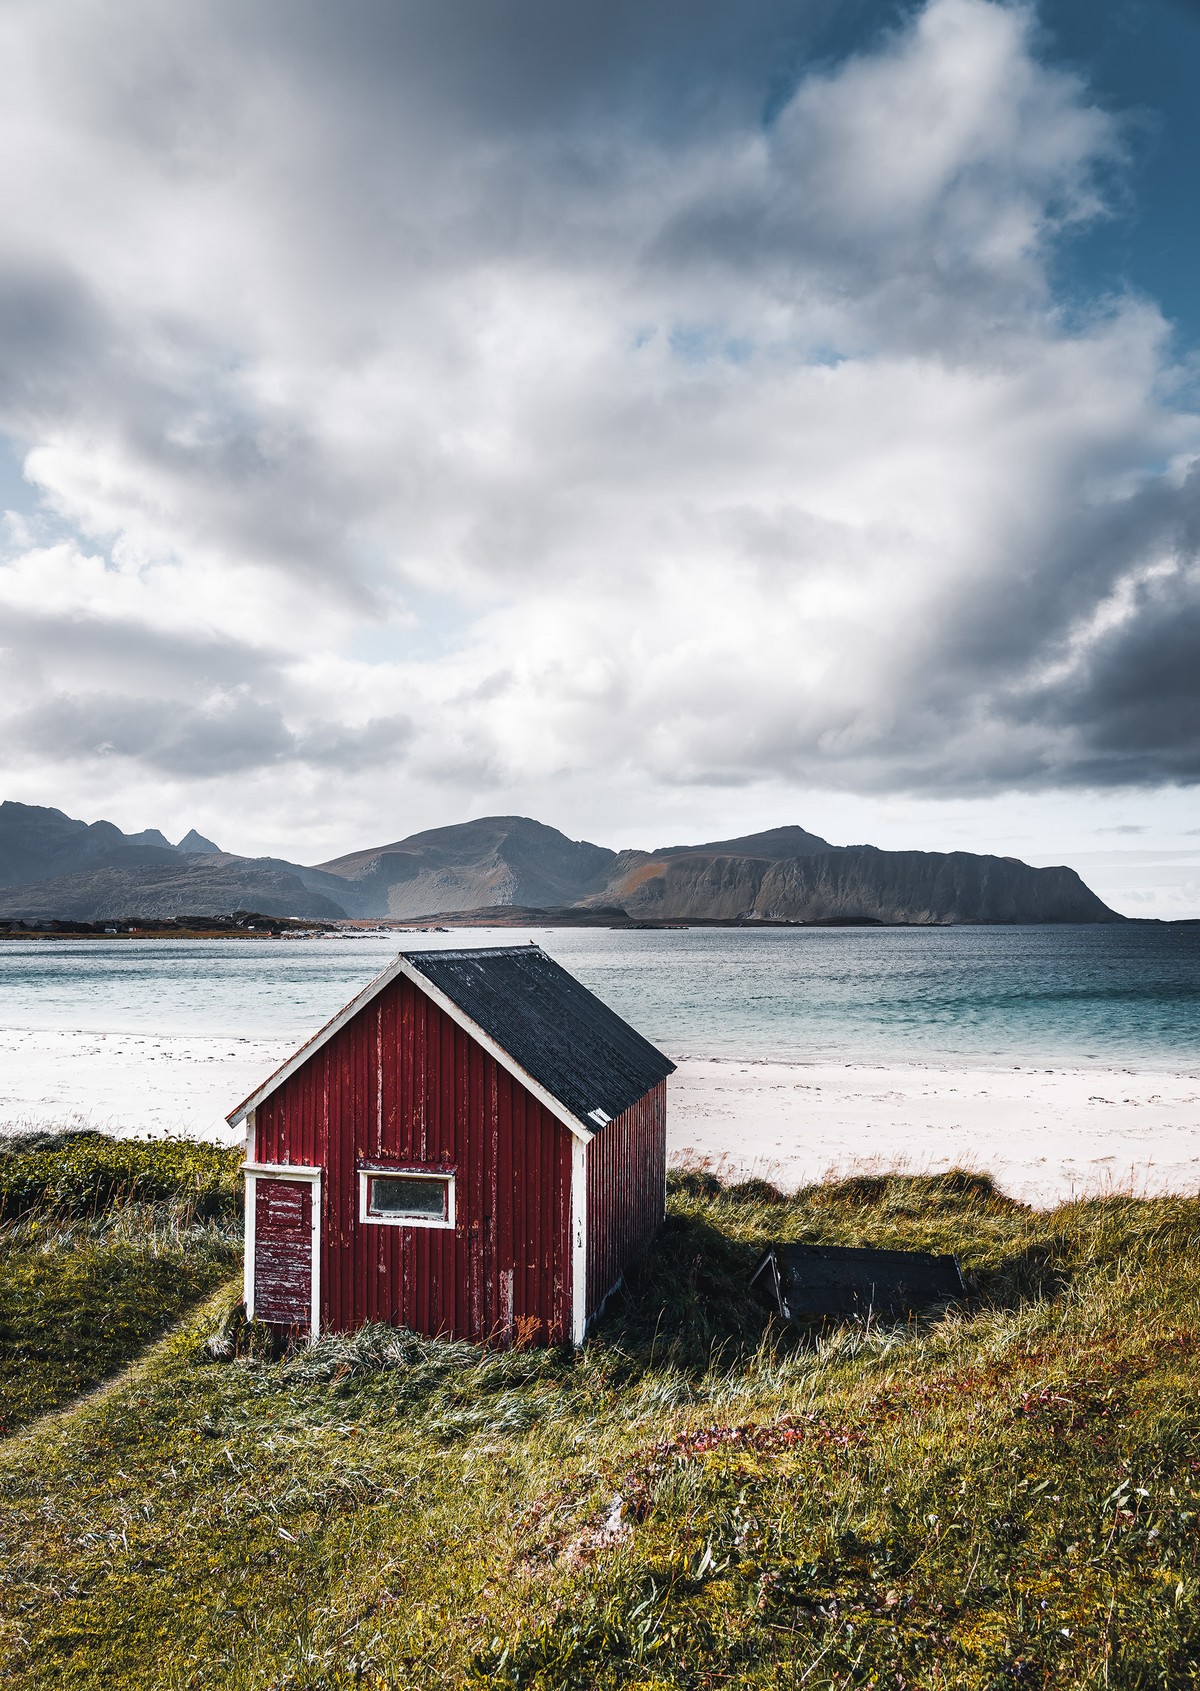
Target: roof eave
column 312, row 1045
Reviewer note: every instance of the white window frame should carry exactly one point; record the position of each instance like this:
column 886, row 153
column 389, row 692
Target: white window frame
column 369, row 1171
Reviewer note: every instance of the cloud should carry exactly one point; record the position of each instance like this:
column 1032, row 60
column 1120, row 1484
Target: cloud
column 230, row 733
column 720, row 389
column 916, row 184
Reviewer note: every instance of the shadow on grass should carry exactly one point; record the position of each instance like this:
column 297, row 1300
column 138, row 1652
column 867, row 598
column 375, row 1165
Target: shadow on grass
column 958, row 1195
column 688, row 1303
column 1038, row 1274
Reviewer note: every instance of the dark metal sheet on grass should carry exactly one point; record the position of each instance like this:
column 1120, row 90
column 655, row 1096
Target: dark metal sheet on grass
column 806, row 1283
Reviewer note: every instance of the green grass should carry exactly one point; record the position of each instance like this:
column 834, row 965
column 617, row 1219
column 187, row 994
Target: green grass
column 1006, row 1495
column 103, row 1244
column 67, row 1175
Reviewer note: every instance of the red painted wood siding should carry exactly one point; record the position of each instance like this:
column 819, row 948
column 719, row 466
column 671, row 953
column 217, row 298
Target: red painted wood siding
column 402, row 1084
column 283, row 1247
column 626, row 1191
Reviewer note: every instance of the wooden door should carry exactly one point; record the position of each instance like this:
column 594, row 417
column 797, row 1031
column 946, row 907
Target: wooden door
column 284, row 1243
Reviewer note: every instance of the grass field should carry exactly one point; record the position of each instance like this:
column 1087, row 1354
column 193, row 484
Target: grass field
column 103, row 1244
column 1004, row 1496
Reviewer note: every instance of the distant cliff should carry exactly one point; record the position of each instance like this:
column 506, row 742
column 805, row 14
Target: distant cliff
column 856, row 883
column 52, row 865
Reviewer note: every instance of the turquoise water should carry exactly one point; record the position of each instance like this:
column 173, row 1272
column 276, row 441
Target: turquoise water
column 1128, row 996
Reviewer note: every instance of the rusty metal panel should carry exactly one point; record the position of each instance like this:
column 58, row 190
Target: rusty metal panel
column 283, row 1245
column 626, row 1191
column 402, row 1085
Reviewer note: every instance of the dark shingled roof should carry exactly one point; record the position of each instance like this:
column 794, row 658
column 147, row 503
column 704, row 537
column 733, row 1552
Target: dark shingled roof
column 558, row 1031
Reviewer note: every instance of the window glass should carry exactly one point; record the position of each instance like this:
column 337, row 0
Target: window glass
column 423, row 1199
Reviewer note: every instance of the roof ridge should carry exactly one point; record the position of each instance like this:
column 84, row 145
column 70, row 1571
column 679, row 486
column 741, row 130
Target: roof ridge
column 475, row 951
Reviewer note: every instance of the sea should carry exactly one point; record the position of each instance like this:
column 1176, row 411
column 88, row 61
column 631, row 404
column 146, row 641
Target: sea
column 1112, row 996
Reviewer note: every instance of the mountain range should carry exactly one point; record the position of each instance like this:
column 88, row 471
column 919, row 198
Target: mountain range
column 53, row 866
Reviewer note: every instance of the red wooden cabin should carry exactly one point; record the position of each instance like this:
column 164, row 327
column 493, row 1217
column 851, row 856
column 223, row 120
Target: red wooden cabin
column 475, row 1146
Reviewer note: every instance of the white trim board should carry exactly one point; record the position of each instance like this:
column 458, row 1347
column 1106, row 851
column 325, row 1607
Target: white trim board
column 285, row 1171
column 579, row 1231
column 405, row 966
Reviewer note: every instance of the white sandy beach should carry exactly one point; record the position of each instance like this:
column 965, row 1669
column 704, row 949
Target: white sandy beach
column 1044, row 1134
column 129, row 1083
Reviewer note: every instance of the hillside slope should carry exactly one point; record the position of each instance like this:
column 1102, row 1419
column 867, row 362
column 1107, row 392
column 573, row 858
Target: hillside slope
column 210, row 886
column 52, row 865
column 1005, row 1495
column 39, row 844
column 468, row 866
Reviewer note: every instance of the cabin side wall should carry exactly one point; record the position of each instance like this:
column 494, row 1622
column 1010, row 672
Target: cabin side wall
column 626, row 1180
column 402, row 1086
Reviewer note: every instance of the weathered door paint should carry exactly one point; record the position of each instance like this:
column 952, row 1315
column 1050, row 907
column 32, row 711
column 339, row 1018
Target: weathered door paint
column 283, row 1252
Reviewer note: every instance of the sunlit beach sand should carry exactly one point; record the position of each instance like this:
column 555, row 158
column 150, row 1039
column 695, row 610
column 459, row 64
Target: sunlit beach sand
column 1044, row 1134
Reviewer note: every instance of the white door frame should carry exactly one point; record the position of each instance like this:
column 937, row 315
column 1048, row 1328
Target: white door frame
column 283, row 1171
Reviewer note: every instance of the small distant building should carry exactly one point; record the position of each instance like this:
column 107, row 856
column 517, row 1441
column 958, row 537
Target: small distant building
column 474, row 1147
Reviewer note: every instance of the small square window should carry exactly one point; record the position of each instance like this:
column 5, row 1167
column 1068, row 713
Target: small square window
column 406, row 1198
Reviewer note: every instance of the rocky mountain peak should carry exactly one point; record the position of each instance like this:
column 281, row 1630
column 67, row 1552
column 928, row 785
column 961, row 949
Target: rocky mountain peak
column 195, row 845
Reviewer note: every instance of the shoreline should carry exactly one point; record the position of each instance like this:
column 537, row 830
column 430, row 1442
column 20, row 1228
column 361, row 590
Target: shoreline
column 500, row 919
column 1045, row 1134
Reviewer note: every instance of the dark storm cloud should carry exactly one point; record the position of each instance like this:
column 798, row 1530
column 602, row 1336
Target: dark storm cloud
column 1083, row 642
column 50, row 329
column 165, row 734
column 1133, row 705
column 538, row 66
column 103, row 651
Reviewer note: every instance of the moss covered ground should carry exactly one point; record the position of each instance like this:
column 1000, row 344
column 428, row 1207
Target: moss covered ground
column 1006, row 1494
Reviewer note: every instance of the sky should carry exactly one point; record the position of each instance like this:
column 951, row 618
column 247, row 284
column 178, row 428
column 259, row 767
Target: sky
column 665, row 418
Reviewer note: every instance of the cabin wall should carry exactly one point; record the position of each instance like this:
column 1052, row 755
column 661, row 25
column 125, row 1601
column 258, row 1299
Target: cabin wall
column 626, row 1191
column 403, row 1085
